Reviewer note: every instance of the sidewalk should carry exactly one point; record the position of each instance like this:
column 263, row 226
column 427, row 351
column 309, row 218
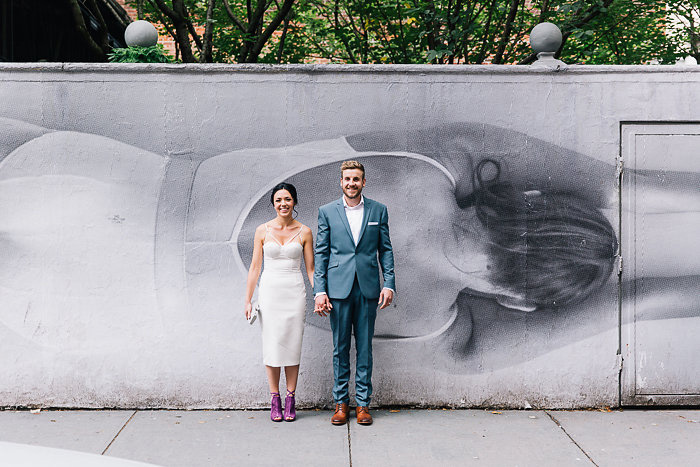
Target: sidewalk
column 405, row 437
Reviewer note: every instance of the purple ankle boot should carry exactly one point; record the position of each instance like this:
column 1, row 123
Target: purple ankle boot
column 290, row 413
column 276, row 407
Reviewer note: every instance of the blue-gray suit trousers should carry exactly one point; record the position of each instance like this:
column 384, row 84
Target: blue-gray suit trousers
column 353, row 314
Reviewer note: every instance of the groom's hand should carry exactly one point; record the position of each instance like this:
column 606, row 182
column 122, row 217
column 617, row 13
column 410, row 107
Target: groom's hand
column 385, row 298
column 322, row 305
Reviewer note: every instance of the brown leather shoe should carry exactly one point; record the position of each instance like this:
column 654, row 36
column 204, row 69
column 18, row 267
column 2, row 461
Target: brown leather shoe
column 340, row 417
column 363, row 416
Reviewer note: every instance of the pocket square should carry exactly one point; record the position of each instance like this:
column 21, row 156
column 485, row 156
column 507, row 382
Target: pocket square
column 372, row 223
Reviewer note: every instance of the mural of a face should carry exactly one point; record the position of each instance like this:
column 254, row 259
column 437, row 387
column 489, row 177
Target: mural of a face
column 103, row 249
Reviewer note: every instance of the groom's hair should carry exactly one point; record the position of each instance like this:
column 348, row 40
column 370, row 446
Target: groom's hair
column 351, row 165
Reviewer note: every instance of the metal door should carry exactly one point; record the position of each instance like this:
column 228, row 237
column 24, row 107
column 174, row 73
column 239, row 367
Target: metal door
column 660, row 245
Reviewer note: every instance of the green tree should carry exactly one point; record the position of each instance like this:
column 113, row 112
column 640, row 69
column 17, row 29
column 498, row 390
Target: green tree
column 684, row 19
column 424, row 31
column 629, row 32
column 233, row 30
column 136, row 54
column 439, row 31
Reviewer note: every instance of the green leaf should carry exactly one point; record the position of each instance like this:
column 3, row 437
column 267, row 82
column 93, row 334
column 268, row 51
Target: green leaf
column 135, row 54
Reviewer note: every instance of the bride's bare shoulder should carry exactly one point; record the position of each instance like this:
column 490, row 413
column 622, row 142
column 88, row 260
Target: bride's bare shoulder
column 261, row 229
column 304, row 229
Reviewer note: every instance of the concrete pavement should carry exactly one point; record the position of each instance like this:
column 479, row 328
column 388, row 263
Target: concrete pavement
column 405, row 437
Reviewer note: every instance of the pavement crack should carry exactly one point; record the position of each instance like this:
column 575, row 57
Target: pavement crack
column 119, row 432
column 349, row 445
column 569, row 436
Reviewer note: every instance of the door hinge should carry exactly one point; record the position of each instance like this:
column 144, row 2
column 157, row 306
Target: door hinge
column 619, row 265
column 620, row 167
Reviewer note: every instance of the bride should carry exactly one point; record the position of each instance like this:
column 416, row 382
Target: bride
column 282, row 242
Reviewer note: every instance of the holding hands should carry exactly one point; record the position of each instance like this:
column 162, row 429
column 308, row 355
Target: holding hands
column 323, row 305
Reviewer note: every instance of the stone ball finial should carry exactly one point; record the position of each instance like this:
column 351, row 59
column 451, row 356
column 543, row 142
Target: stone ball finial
column 141, row 33
column 545, row 37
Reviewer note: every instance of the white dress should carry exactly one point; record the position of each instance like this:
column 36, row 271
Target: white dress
column 282, row 299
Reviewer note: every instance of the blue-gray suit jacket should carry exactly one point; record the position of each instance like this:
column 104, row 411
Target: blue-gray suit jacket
column 338, row 260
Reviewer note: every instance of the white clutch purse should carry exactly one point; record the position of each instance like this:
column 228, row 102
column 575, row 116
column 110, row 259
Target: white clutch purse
column 254, row 313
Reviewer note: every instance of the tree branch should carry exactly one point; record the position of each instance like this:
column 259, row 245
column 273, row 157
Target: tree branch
column 283, row 36
column 182, row 37
column 162, row 20
column 81, row 27
column 341, row 35
column 271, row 28
column 452, row 18
column 182, row 8
column 543, row 11
column 169, row 12
column 498, row 59
column 487, row 29
column 363, row 33
column 102, row 32
column 432, row 29
column 472, row 13
column 385, row 38
column 206, row 56
column 237, row 22
column 593, row 12
column 257, row 18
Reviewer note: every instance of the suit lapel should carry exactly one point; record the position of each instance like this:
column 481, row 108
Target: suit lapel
column 365, row 218
column 341, row 212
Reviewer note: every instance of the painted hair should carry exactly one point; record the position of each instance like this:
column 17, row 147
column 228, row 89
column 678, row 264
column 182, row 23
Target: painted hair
column 349, row 165
column 553, row 248
column 284, row 186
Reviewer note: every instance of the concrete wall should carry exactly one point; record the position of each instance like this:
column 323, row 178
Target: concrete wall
column 129, row 196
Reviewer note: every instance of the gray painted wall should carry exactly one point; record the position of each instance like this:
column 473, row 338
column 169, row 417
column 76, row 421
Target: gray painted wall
column 129, row 195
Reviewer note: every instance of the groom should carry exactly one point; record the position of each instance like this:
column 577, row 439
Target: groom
column 352, row 232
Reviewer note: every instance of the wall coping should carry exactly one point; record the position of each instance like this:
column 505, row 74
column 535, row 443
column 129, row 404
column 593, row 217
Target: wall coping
column 219, row 68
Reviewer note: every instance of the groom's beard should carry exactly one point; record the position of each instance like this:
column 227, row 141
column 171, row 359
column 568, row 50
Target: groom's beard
column 357, row 193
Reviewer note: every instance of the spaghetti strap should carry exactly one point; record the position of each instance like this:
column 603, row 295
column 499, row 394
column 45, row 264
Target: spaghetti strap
column 274, row 237
column 267, row 232
column 295, row 236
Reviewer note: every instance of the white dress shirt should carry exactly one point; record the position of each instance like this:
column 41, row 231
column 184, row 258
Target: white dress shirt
column 354, row 215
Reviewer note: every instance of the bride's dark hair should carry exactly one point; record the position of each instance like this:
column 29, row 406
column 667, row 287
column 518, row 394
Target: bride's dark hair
column 552, row 248
column 284, row 186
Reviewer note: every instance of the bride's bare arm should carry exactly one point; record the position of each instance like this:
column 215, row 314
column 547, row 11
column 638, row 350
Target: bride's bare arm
column 255, row 267
column 307, row 240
